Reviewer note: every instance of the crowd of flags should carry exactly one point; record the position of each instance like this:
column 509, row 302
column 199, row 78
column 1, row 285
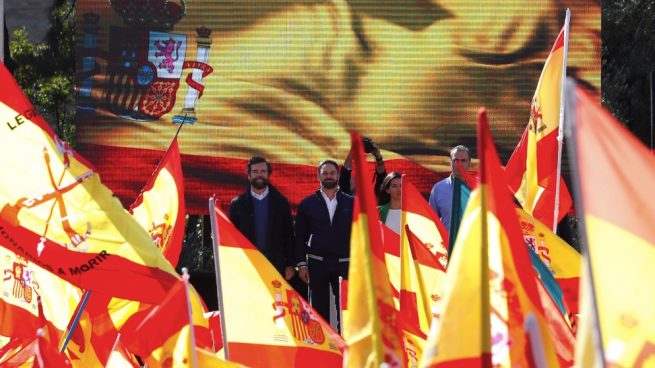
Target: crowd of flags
column 89, row 283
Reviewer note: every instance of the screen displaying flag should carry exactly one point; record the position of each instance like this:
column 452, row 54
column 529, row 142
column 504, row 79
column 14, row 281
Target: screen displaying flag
column 266, row 320
column 618, row 220
column 159, row 208
column 533, row 167
column 289, row 80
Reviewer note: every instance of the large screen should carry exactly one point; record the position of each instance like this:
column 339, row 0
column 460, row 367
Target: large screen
column 289, row 80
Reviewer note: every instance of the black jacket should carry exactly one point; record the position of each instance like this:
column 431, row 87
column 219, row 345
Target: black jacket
column 313, row 221
column 280, row 226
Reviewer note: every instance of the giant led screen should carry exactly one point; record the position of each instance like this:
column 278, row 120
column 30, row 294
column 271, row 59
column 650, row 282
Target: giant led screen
column 289, row 80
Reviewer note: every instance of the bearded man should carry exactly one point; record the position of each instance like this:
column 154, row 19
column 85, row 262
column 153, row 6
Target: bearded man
column 263, row 215
column 322, row 227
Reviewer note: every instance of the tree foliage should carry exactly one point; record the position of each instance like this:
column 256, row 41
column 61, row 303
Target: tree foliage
column 46, row 70
column 628, row 58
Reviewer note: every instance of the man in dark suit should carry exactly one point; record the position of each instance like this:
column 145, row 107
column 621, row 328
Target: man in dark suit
column 263, row 215
column 322, row 227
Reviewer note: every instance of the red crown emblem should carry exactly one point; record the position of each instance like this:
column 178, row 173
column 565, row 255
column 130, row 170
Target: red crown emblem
column 154, row 14
column 203, row 31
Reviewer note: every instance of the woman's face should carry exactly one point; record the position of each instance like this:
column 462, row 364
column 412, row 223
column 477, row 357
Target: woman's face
column 395, row 189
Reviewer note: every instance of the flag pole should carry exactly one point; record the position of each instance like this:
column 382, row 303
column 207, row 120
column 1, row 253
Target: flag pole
column 219, row 292
column 75, row 320
column 113, row 348
column 340, row 311
column 192, row 335
column 560, row 134
column 535, row 338
column 571, row 133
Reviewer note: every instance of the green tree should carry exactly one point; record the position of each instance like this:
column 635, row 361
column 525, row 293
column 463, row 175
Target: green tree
column 46, row 70
column 628, row 58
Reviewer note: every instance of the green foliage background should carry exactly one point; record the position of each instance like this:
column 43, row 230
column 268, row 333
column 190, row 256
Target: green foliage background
column 46, row 70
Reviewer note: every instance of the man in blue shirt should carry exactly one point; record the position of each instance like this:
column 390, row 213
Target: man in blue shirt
column 441, row 196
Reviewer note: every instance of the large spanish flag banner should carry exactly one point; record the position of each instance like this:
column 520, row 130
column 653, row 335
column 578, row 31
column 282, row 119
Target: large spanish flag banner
column 55, row 212
column 372, row 331
column 266, row 322
column 533, row 169
column 159, row 208
column 490, row 270
column 619, row 231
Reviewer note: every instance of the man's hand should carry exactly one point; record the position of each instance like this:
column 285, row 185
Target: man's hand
column 288, row 272
column 303, row 273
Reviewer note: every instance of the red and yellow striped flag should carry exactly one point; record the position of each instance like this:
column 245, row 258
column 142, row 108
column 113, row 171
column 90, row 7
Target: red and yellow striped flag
column 562, row 259
column 159, row 208
column 266, row 319
column 55, row 212
column 532, row 169
column 617, row 187
column 372, row 331
column 490, row 271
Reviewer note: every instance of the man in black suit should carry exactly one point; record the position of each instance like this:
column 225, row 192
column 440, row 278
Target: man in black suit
column 263, row 215
column 322, row 227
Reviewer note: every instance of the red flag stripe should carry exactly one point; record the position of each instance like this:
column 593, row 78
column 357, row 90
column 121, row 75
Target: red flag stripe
column 504, row 213
column 206, row 176
column 112, row 274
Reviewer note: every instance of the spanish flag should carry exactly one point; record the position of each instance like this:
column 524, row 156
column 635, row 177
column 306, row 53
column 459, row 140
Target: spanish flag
column 372, row 331
column 165, row 336
column 420, row 296
column 423, row 260
column 265, row 320
column 422, row 230
column 391, row 246
column 27, row 293
column 55, row 211
column 159, row 208
column 616, row 178
column 561, row 259
column 532, row 170
column 490, row 271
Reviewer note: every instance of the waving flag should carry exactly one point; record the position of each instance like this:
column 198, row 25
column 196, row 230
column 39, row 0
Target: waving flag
column 46, row 355
column 561, row 259
column 159, row 208
column 266, row 320
column 423, row 260
column 533, row 169
column 424, row 223
column 372, row 331
column 490, row 275
column 617, row 187
column 391, row 246
column 55, row 212
column 164, row 335
column 27, row 292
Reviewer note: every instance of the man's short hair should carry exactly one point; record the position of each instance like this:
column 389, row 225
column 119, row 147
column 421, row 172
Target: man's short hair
column 327, row 162
column 459, row 148
column 258, row 160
